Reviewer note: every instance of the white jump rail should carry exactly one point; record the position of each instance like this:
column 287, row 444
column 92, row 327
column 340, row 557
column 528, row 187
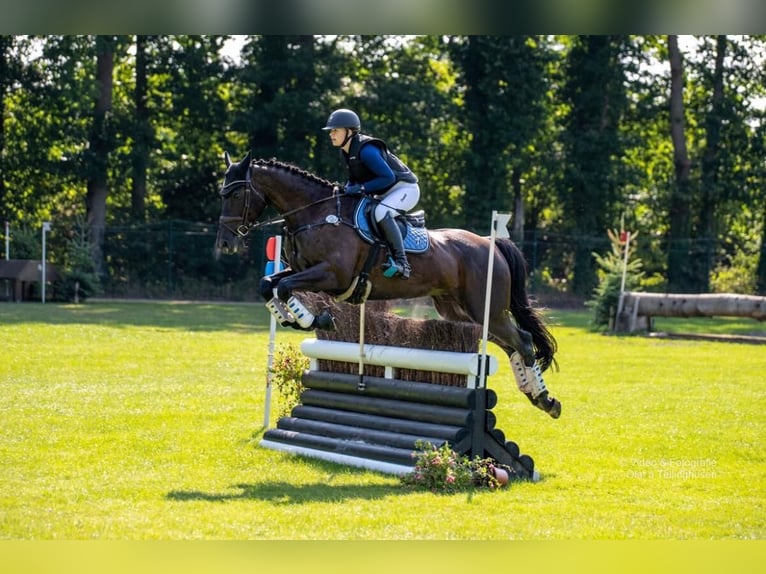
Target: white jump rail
column 391, row 358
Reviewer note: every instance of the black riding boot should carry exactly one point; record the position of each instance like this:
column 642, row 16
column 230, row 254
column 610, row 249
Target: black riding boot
column 393, row 236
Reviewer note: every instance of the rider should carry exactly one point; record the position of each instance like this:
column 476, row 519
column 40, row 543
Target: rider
column 373, row 169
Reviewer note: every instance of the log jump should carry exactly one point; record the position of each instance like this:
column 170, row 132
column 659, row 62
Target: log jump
column 376, row 426
column 639, row 308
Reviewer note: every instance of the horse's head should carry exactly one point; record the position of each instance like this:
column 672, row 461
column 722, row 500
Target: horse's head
column 241, row 205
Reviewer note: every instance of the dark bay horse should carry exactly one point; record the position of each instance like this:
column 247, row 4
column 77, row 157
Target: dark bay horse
column 325, row 253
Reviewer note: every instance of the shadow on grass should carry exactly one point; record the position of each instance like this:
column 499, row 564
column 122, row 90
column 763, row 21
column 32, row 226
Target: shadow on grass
column 285, row 493
column 186, row 316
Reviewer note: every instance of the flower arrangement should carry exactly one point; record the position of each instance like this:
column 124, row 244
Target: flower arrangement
column 286, row 370
column 442, row 470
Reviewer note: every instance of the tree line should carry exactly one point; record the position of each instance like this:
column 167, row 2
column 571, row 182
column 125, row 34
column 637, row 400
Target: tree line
column 114, row 137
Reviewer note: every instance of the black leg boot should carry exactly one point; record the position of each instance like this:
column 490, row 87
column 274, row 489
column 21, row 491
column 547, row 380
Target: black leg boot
column 399, row 265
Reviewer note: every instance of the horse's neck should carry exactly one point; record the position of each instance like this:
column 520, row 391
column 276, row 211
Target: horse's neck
column 299, row 201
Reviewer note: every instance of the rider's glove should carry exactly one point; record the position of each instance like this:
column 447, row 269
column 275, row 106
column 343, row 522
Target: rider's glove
column 353, row 189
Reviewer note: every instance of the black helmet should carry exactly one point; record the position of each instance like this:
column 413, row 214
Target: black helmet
column 343, row 119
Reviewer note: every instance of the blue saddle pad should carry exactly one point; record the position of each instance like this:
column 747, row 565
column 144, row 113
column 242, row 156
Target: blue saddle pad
column 416, row 239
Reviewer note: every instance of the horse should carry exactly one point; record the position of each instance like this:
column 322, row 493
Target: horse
column 326, row 253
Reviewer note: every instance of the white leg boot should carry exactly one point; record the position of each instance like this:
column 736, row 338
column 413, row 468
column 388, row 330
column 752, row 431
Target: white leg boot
column 303, row 316
column 530, row 382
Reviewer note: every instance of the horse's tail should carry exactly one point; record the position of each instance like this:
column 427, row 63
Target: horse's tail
column 527, row 317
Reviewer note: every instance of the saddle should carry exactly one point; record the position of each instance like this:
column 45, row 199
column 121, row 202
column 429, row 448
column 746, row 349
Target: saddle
column 414, row 235
column 412, row 226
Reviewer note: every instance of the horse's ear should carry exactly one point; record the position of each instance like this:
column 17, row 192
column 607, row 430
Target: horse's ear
column 248, row 158
column 227, row 158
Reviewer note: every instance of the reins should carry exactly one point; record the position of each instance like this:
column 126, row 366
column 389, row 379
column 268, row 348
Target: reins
column 245, row 227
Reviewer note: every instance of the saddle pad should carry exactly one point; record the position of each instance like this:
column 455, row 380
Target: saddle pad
column 416, row 239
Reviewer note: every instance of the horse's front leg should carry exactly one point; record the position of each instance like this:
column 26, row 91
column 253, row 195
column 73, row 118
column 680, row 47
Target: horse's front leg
column 269, row 282
column 268, row 290
column 278, row 290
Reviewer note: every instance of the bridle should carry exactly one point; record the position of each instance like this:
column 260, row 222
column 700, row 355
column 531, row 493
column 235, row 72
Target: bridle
column 244, row 226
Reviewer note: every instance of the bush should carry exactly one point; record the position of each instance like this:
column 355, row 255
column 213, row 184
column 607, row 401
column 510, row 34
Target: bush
column 79, row 278
column 607, row 293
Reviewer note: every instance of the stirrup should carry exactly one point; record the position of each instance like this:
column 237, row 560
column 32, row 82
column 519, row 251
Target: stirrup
column 392, row 269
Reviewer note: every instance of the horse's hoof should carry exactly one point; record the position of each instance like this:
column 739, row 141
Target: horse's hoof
column 325, row 321
column 555, row 409
column 545, row 403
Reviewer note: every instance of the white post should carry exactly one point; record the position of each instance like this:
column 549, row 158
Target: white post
column 499, row 228
column 622, row 282
column 7, row 256
column 360, row 384
column 46, row 227
column 272, row 337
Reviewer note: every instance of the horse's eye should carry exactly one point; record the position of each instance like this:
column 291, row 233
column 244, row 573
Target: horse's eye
column 236, row 194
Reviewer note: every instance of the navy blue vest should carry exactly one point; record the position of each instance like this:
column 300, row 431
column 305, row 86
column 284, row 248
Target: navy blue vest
column 359, row 173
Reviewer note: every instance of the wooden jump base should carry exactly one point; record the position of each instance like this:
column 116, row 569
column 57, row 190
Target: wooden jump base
column 377, row 427
column 639, row 308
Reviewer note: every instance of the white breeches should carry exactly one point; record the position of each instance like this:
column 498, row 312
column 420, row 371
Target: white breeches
column 399, row 199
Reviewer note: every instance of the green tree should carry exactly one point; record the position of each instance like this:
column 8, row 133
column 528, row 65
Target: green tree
column 7, row 78
column 192, row 115
column 504, row 94
column 283, row 90
column 404, row 90
column 594, row 93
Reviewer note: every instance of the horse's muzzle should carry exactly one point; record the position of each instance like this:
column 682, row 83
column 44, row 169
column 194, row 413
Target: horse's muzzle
column 228, row 247
column 226, row 242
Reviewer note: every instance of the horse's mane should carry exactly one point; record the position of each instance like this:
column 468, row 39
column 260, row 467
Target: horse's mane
column 294, row 169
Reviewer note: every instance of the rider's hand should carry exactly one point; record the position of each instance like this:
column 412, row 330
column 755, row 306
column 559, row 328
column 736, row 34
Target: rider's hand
column 353, row 189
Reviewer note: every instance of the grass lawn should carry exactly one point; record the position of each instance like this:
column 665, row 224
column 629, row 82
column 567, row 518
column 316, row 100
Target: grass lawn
column 142, row 421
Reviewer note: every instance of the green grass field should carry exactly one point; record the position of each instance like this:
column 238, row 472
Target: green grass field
column 142, row 421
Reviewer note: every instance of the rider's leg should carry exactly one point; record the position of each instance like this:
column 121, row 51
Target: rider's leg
column 399, row 199
column 393, row 236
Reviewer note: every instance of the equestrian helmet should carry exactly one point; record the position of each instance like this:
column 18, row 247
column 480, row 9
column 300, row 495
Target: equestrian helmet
column 343, row 118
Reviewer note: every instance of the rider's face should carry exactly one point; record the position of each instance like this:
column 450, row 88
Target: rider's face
column 337, row 136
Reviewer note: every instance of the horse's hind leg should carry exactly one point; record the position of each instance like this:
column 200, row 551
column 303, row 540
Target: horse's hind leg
column 517, row 344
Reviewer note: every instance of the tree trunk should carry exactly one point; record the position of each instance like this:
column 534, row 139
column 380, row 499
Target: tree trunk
column 264, row 136
column 680, row 199
column 703, row 257
column 99, row 150
column 517, row 233
column 5, row 82
column 486, row 177
column 142, row 134
column 297, row 130
column 760, row 278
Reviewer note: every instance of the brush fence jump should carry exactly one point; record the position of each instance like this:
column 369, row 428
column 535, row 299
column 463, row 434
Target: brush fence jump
column 377, row 426
column 639, row 308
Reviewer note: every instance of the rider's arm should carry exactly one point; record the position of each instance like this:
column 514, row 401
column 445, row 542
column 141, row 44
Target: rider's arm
column 372, row 156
